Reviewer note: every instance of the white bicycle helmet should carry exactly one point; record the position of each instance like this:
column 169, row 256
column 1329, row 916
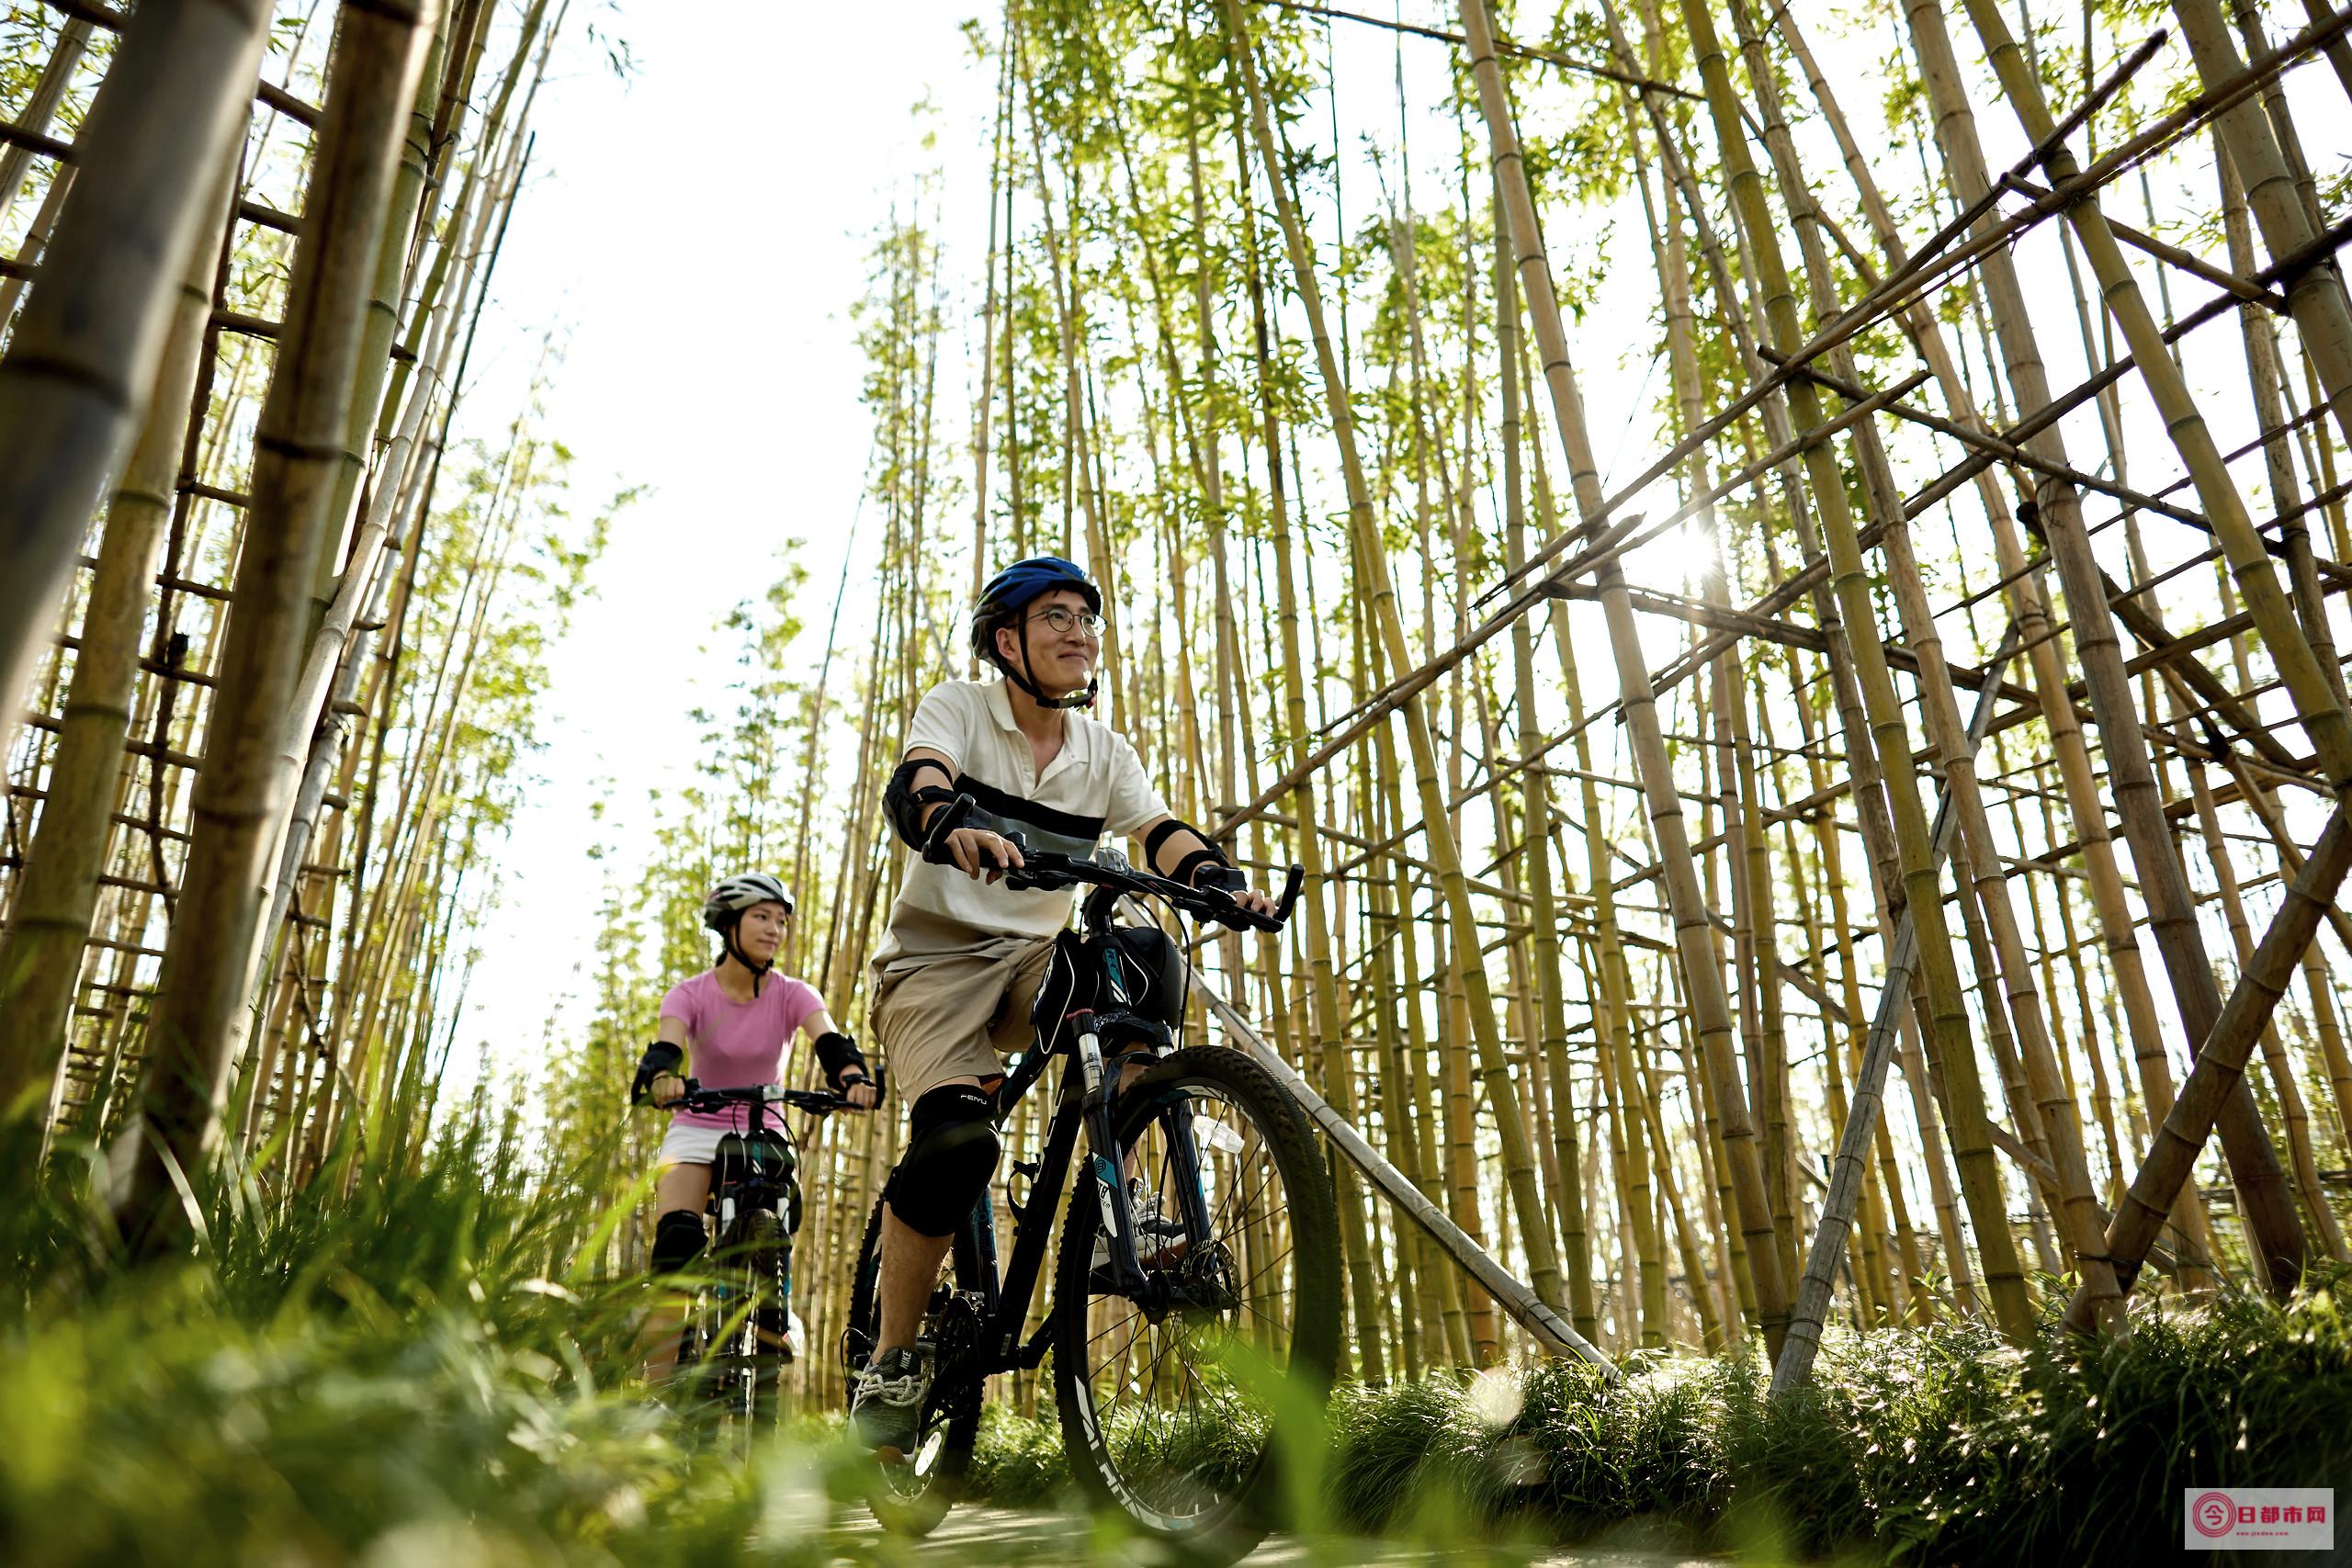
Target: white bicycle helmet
column 724, row 908
column 739, row 893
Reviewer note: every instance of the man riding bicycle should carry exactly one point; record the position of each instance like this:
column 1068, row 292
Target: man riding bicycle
column 961, row 964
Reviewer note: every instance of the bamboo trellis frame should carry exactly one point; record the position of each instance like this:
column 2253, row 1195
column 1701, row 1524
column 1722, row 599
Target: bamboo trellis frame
column 1675, row 1011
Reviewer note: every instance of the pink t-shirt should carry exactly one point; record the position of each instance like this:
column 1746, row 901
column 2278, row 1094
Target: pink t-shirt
column 732, row 1045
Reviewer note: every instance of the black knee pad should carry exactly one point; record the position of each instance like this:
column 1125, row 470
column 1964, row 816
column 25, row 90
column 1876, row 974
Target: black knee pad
column 677, row 1241
column 951, row 1153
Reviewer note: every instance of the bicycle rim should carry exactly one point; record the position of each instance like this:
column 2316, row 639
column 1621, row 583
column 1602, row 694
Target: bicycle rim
column 1173, row 1413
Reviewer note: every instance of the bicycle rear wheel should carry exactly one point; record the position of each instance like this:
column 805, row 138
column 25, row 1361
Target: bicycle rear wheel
column 913, row 1497
column 1173, row 1409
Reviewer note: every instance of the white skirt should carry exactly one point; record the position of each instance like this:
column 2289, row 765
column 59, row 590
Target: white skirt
column 685, row 1144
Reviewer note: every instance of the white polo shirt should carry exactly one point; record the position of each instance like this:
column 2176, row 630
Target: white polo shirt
column 1094, row 785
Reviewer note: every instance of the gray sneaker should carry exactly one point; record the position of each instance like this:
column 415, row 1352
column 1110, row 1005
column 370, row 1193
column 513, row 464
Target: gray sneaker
column 887, row 1414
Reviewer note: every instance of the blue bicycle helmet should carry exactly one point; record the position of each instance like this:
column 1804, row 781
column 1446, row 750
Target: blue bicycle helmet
column 1011, row 590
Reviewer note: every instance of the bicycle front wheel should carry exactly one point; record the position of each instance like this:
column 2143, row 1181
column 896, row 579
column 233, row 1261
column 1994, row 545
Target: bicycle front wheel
column 1174, row 1402
column 911, row 1499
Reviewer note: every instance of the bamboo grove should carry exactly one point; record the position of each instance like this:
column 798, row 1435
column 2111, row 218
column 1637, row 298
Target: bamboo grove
column 1859, row 854
column 279, row 700
column 1775, row 567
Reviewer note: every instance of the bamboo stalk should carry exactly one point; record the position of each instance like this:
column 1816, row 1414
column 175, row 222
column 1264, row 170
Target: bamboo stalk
column 56, row 897
column 82, row 362
column 1373, row 573
column 205, row 977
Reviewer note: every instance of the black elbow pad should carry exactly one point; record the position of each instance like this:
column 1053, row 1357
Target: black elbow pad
column 905, row 802
column 1187, row 868
column 660, row 1058
column 837, row 1053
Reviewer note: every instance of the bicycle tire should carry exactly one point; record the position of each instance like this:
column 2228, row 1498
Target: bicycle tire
column 915, row 1510
column 763, row 1331
column 1233, row 1520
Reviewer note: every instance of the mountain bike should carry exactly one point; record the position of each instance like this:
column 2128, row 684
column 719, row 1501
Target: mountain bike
column 738, row 1336
column 1195, row 1305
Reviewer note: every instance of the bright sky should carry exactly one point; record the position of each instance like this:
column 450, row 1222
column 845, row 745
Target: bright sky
column 698, row 235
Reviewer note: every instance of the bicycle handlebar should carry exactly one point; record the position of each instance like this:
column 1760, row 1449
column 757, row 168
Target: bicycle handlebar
column 818, row 1102
column 1047, row 871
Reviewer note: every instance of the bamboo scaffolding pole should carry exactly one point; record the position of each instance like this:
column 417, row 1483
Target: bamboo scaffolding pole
column 205, row 978
column 1700, row 976
column 1372, row 570
column 82, row 360
column 2132, row 778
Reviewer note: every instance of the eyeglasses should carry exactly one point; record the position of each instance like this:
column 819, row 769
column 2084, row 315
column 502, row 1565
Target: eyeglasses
column 1065, row 620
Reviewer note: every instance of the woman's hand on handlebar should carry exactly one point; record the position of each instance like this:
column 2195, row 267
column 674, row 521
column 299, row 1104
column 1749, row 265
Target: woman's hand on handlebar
column 667, row 1090
column 976, row 852
column 861, row 1094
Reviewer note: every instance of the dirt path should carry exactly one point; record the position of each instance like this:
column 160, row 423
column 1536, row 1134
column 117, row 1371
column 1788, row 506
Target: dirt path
column 1013, row 1536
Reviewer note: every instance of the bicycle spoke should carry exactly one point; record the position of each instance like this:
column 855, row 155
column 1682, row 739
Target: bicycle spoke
column 1174, row 1420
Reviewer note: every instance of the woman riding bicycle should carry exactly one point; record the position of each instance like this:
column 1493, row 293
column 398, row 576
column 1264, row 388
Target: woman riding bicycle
column 738, row 1018
column 963, row 958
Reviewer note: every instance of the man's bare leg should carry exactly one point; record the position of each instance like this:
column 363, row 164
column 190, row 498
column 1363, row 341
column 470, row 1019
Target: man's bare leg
column 911, row 1259
column 909, row 1269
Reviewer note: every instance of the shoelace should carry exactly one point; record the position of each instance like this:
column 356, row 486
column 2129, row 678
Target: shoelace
column 901, row 1390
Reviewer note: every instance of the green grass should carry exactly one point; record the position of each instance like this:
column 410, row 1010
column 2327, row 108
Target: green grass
column 409, row 1374
column 1930, row 1447
column 417, row 1372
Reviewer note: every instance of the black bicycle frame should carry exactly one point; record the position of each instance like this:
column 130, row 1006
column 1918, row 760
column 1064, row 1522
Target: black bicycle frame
column 1085, row 1101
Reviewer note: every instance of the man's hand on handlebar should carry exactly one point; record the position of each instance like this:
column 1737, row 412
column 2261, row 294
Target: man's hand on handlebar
column 977, row 851
column 1257, row 903
column 1231, row 881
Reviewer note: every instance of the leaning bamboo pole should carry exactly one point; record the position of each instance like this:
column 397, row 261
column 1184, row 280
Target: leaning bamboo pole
column 2171, row 920
column 204, row 978
column 41, row 951
column 2294, row 1118
column 1948, row 1035
column 39, row 107
column 1793, row 1368
column 1988, row 888
column 2250, row 138
column 74, row 382
column 1544, row 943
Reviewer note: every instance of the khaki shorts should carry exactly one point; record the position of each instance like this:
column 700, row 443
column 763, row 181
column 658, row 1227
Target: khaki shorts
column 955, row 1015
